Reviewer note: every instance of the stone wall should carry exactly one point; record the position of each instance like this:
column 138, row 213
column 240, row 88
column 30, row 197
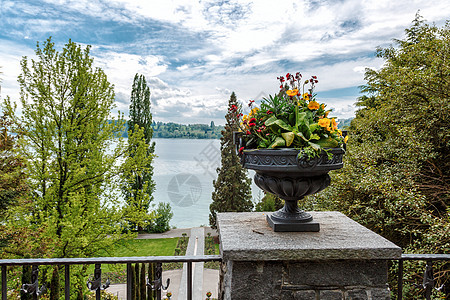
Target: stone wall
column 334, row 280
column 343, row 261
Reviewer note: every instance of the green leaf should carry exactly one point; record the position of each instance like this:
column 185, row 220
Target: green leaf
column 327, row 143
column 302, row 119
column 279, row 142
column 288, row 137
column 314, row 137
column 314, row 146
column 300, row 135
column 270, row 121
column 283, row 125
column 314, row 127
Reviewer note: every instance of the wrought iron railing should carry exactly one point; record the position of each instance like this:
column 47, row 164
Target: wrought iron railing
column 428, row 283
column 96, row 283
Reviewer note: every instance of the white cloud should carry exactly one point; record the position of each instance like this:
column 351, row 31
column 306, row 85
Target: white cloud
column 122, row 67
column 200, row 51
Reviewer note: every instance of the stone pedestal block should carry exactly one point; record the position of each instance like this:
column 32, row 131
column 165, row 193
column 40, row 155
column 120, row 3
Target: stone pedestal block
column 343, row 261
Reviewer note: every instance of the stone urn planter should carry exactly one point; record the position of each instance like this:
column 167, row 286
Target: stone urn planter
column 291, row 177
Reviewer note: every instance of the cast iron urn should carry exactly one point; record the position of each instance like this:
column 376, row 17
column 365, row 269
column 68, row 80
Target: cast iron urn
column 291, row 177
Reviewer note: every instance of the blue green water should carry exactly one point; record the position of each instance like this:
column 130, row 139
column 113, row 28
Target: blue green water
column 184, row 170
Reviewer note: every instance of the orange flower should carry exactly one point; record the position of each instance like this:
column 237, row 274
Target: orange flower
column 325, row 122
column 292, row 93
column 333, row 124
column 306, row 96
column 313, row 105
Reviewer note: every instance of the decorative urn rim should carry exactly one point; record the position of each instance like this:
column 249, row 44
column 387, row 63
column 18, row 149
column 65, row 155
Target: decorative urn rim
column 290, row 162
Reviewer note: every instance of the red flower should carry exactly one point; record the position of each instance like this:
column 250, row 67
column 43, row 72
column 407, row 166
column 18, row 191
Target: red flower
column 251, row 124
column 269, row 112
column 250, row 103
column 252, row 120
column 248, row 132
column 281, row 86
column 259, row 130
column 314, row 77
column 241, row 150
column 288, row 75
column 233, row 108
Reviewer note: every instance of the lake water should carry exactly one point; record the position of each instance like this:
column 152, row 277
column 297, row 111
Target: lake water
column 184, row 170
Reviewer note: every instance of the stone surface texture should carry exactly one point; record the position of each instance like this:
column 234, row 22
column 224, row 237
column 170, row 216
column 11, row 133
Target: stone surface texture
column 247, row 236
column 343, row 261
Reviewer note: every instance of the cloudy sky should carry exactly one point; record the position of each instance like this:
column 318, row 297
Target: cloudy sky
column 194, row 53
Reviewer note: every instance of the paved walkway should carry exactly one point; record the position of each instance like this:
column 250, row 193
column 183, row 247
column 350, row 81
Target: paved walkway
column 204, row 280
column 178, row 232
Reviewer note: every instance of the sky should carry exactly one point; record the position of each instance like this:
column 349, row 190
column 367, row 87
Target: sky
column 195, row 53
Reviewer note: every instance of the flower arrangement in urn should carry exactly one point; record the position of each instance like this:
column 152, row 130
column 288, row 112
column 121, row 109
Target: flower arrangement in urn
column 291, row 119
column 291, row 143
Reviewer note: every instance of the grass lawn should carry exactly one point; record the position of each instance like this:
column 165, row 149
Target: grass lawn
column 144, row 247
column 141, row 247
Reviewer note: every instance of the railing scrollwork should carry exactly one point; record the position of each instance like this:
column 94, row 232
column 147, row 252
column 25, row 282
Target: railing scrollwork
column 33, row 288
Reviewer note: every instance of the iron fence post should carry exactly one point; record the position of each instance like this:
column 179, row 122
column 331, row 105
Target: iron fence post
column 4, row 286
column 129, row 287
column 400, row 280
column 189, row 283
column 67, row 282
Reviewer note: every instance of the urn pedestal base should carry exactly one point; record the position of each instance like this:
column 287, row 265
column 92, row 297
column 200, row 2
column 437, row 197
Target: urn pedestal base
column 279, row 226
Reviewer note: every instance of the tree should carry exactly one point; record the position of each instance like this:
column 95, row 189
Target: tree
column 269, row 202
column 12, row 176
column 138, row 185
column 67, row 135
column 397, row 167
column 232, row 191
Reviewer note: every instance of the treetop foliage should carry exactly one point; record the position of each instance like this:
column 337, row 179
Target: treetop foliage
column 232, row 191
column 397, row 166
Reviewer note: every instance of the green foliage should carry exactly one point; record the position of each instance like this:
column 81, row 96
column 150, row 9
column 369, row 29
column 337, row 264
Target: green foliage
column 163, row 216
column 269, row 202
column 190, row 131
column 232, row 191
column 397, row 166
column 138, row 185
column 66, row 136
column 12, row 174
column 182, row 131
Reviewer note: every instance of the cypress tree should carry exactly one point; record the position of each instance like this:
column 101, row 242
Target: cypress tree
column 232, row 191
column 139, row 186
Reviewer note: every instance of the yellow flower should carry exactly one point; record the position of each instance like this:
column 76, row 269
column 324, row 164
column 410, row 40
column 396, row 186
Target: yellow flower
column 313, row 105
column 326, row 114
column 292, row 93
column 324, row 122
column 255, row 110
column 333, row 124
column 322, row 106
column 245, row 117
column 340, row 132
column 306, row 96
column 346, row 139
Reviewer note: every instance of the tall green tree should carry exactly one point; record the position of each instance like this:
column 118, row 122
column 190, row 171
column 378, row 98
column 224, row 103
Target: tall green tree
column 232, row 192
column 396, row 173
column 138, row 185
column 67, row 138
